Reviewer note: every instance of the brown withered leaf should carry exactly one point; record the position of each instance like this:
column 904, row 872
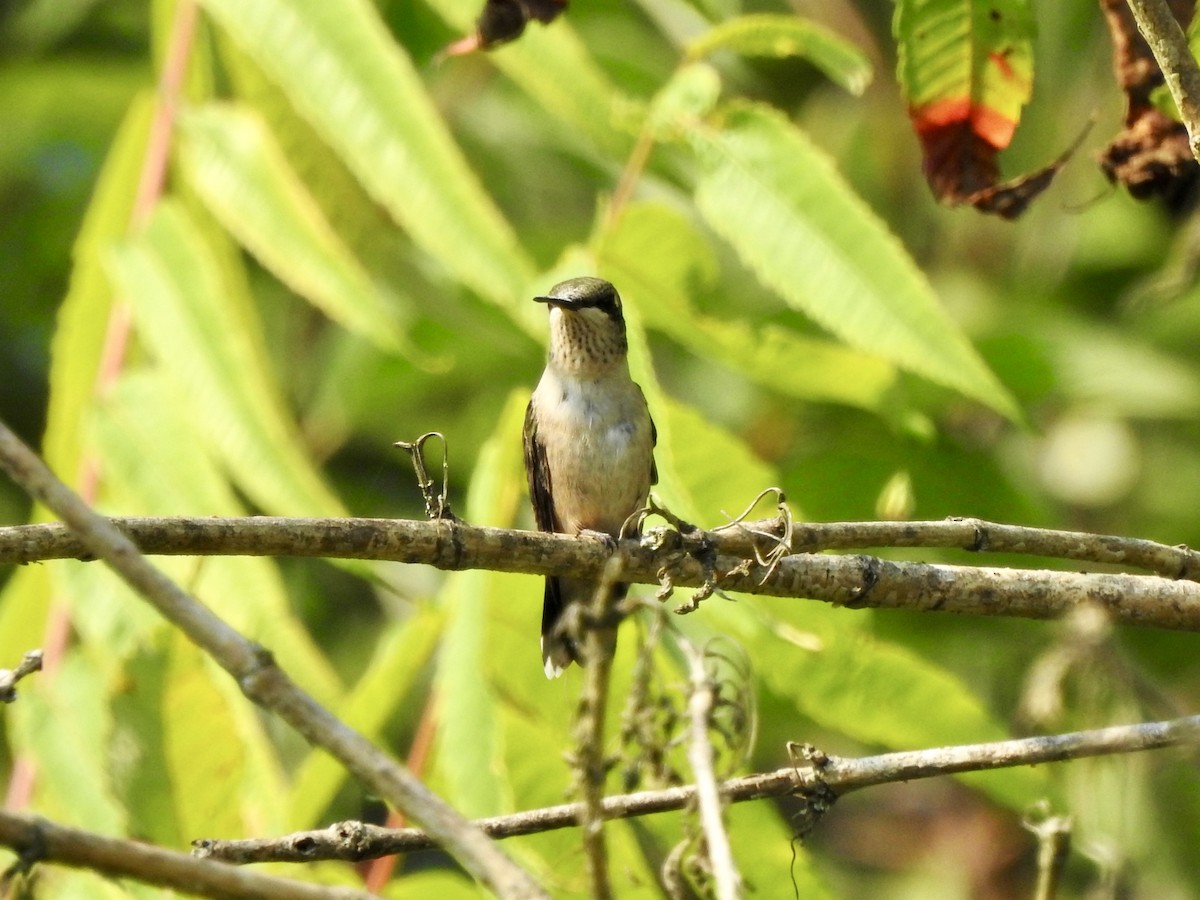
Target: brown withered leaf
column 502, row 21
column 959, row 148
column 1151, row 156
column 960, row 144
column 1010, row 199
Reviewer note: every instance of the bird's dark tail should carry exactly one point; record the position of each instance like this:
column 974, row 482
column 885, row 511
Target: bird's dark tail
column 560, row 649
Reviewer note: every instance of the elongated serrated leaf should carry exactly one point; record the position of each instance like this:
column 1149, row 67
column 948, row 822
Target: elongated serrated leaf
column 242, row 175
column 136, row 764
column 357, row 220
column 780, row 203
column 771, row 34
column 76, row 349
column 106, row 613
column 719, row 472
column 196, row 324
column 470, row 747
column 24, row 603
column 966, row 60
column 400, row 657
column 346, row 75
column 840, row 676
column 205, row 763
column 83, row 318
column 64, row 723
column 772, row 355
column 470, row 740
column 263, row 776
column 156, row 463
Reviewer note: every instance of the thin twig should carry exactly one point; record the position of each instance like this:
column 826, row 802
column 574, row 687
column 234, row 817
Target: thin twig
column 674, row 883
column 1170, row 600
column 31, row 662
column 591, row 761
column 1169, row 45
column 980, row 536
column 437, row 506
column 38, row 840
column 839, row 775
column 1054, row 843
column 262, row 680
column 725, row 875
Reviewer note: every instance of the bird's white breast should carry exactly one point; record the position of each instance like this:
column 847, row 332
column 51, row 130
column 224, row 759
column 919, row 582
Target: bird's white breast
column 597, row 436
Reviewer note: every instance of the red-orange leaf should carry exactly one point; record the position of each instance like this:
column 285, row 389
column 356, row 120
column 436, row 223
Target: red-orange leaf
column 966, row 67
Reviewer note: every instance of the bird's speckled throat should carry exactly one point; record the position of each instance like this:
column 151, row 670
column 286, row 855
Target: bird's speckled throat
column 586, row 342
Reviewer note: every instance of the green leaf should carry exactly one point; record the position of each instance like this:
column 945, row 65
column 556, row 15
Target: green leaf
column 240, row 171
column 81, row 884
column 470, row 740
column 470, row 747
column 345, row 74
column 106, row 613
column 76, row 348
column 440, row 883
column 400, row 658
column 770, row 34
column 358, row 221
column 156, row 464
column 822, row 660
column 24, row 603
column 199, row 324
column 137, row 762
column 767, row 851
column 205, row 761
column 772, row 355
column 797, row 225
column 83, row 318
column 968, row 60
column 65, row 724
column 719, row 472
column 1115, row 374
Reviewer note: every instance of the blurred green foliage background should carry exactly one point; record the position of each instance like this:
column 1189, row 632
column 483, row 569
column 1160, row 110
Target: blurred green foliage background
column 350, row 231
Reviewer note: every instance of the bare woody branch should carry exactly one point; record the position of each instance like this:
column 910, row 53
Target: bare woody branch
column 31, row 662
column 826, row 778
column 727, row 882
column 1170, row 599
column 262, row 680
column 590, row 762
column 421, row 541
column 38, row 840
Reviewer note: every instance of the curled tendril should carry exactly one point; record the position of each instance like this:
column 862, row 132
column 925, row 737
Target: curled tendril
column 437, row 506
column 782, row 542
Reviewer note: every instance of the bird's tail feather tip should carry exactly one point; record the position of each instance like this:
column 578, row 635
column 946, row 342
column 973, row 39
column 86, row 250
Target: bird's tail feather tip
column 555, row 658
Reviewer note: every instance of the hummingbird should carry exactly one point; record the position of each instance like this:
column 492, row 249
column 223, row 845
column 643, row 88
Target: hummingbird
column 589, row 441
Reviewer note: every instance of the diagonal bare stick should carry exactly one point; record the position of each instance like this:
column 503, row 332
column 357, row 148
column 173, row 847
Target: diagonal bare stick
column 263, row 681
